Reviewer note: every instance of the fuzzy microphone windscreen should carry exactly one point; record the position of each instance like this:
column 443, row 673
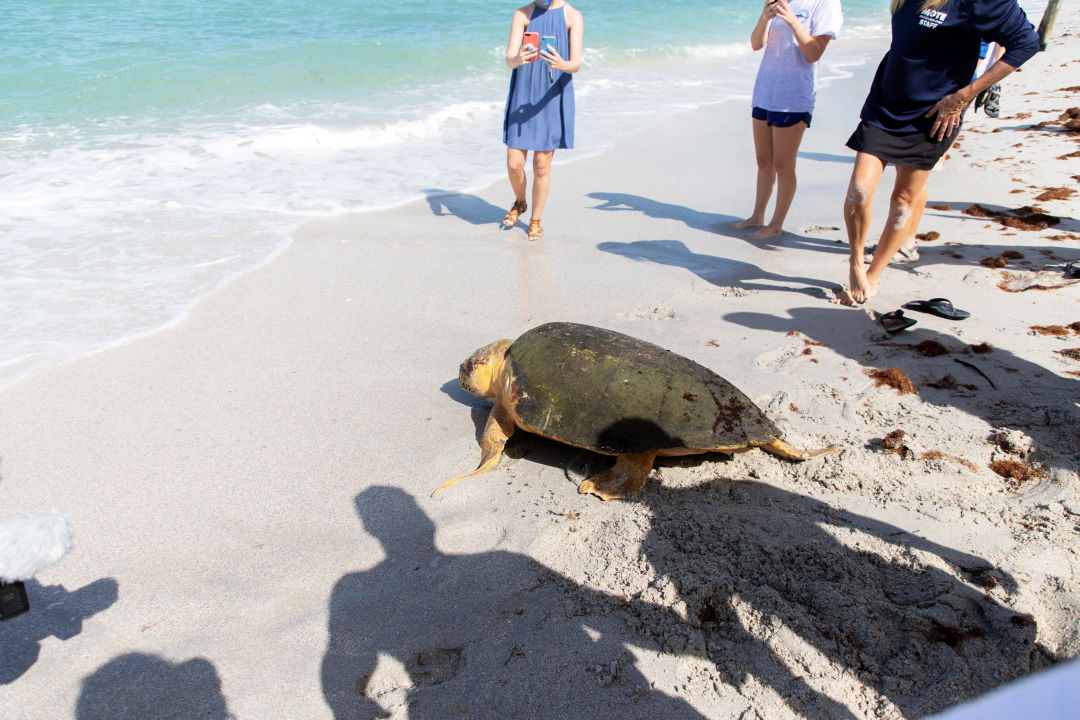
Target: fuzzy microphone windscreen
column 32, row 542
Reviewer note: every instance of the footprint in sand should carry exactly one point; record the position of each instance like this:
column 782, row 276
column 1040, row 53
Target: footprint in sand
column 656, row 313
column 724, row 291
column 774, row 359
column 434, row 666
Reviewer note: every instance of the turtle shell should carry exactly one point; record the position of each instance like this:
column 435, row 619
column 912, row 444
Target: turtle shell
column 615, row 394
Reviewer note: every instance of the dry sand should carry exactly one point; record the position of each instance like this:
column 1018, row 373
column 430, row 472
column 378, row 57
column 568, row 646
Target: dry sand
column 249, row 489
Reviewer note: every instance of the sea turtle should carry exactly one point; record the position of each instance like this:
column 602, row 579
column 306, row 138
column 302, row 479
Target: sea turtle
column 613, row 394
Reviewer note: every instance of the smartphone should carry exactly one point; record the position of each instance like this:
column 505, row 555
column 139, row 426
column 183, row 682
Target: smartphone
column 548, row 41
column 531, row 41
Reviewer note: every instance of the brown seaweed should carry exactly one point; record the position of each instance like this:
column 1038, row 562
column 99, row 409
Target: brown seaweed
column 894, row 443
column 938, row 455
column 1057, row 330
column 1027, row 217
column 1056, row 193
column 927, row 348
column 1018, row 472
column 895, row 378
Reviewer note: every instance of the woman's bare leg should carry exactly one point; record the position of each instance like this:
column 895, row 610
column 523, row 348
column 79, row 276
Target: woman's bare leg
column 858, row 210
column 763, row 153
column 910, row 244
column 905, row 210
column 541, row 181
column 785, row 143
column 917, row 207
column 515, row 169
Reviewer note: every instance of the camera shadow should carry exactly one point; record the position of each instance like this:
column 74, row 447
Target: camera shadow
column 54, row 612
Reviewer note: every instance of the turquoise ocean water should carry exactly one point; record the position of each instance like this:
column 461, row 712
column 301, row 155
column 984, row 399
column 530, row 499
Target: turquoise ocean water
column 152, row 149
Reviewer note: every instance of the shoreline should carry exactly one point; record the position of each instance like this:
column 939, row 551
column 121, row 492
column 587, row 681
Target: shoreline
column 286, row 227
column 253, row 482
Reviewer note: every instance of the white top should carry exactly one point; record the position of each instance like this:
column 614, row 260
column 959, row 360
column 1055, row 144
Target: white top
column 786, row 79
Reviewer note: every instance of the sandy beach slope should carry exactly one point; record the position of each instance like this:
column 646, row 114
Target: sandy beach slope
column 250, row 488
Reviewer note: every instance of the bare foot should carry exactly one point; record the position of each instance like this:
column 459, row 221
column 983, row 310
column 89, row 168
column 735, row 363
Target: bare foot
column 765, row 232
column 748, row 223
column 860, row 288
column 843, row 297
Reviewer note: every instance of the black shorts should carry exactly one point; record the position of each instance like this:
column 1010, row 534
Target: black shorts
column 913, row 150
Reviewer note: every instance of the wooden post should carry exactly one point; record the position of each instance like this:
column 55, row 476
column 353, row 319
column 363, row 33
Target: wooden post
column 1047, row 24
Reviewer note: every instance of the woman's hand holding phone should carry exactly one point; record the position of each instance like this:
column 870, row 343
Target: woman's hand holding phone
column 527, row 54
column 774, row 8
column 530, row 48
column 782, row 10
column 551, row 56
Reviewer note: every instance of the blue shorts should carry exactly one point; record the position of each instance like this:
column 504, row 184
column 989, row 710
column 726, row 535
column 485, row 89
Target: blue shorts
column 780, row 119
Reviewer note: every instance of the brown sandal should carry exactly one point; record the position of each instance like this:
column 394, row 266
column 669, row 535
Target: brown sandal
column 512, row 215
column 535, row 231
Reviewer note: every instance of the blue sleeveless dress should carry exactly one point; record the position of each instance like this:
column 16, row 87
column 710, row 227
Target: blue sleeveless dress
column 540, row 107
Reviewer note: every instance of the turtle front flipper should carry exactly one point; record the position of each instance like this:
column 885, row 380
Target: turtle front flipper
column 626, row 476
column 788, row 452
column 497, row 431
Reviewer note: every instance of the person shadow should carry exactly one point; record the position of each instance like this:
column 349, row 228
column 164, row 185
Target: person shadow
column 470, row 208
column 54, row 612
column 777, row 585
column 719, row 271
column 827, row 157
column 713, row 223
column 137, row 686
column 428, row 634
column 695, row 219
column 969, row 378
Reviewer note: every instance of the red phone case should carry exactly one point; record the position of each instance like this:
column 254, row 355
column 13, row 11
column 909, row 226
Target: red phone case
column 531, row 38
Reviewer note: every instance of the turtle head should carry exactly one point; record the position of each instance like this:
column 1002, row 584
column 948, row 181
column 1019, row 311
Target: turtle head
column 481, row 370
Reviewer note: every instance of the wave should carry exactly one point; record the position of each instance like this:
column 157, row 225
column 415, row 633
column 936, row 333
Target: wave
column 312, row 138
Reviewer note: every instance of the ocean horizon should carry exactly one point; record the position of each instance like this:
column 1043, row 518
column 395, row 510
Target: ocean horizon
column 150, row 152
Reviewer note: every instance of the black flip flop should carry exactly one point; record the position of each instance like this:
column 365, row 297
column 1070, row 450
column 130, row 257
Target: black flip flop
column 1072, row 270
column 942, row 307
column 895, row 321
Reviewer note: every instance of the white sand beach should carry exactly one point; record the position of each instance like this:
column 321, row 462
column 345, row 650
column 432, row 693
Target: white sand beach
column 249, row 489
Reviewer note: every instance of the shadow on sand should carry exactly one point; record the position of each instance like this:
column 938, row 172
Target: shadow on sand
column 54, row 612
column 827, row 157
column 469, row 208
column 722, row 272
column 1027, row 396
column 755, row 563
column 475, row 635
column 146, row 687
column 713, row 223
column 498, row 635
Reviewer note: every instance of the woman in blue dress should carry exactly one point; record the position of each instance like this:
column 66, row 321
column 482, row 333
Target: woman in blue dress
column 540, row 106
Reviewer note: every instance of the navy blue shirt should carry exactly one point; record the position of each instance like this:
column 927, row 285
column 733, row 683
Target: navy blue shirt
column 934, row 53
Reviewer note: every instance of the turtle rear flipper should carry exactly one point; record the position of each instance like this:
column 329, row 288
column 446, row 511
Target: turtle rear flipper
column 789, row 452
column 497, row 431
column 626, row 476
